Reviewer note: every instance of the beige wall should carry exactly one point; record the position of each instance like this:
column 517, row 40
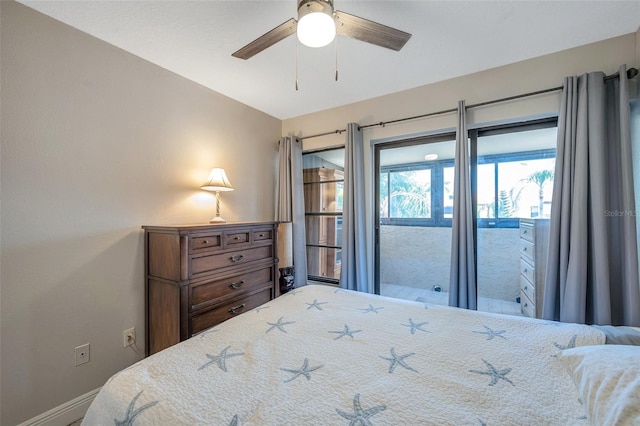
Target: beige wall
column 518, row 78
column 95, row 143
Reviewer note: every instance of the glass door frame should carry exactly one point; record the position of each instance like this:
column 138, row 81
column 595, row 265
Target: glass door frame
column 473, row 134
column 422, row 140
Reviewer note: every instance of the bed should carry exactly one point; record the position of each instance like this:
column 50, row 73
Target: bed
column 322, row 356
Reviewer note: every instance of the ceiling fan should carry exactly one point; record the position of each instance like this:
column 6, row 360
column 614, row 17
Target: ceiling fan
column 317, row 25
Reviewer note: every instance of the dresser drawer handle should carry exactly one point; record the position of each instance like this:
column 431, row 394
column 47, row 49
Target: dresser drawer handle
column 236, row 285
column 524, row 232
column 261, row 235
column 237, row 258
column 236, row 238
column 526, row 287
column 524, row 249
column 205, row 242
column 236, row 310
column 525, row 270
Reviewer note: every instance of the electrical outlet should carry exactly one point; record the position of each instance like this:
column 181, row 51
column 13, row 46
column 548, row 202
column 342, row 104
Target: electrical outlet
column 129, row 337
column 82, row 354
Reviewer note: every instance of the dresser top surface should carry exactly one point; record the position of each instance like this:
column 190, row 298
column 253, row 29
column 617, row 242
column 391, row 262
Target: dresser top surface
column 205, row 226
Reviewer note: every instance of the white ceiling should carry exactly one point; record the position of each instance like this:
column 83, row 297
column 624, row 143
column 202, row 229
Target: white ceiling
column 195, row 39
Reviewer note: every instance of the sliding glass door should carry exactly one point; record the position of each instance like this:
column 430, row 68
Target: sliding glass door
column 512, row 181
column 515, row 167
column 414, row 188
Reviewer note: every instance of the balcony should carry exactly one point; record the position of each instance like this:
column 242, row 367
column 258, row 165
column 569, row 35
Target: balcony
column 414, row 265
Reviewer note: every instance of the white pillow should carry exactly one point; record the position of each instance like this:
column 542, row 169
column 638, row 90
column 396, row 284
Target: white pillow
column 608, row 380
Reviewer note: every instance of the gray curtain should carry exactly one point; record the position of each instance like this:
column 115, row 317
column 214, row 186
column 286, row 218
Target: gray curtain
column 462, row 282
column 353, row 273
column 592, row 269
column 290, row 202
column 635, row 160
column 283, row 189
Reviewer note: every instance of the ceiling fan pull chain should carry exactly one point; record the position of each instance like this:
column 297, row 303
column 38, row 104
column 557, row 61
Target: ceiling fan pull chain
column 296, row 64
column 336, row 45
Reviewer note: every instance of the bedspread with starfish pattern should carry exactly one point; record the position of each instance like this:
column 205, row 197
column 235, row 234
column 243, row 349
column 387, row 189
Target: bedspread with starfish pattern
column 324, row 356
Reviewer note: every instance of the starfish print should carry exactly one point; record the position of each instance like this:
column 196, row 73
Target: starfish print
column 360, row 416
column 279, row 325
column 345, row 332
column 371, row 309
column 416, row 326
column 398, row 360
column 234, row 421
column 220, row 359
column 316, row 304
column 259, row 308
column 495, row 374
column 131, row 414
column 571, row 344
column 302, row 371
column 293, row 292
column 492, row 333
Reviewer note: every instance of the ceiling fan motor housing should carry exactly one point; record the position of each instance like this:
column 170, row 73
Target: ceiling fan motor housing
column 311, row 6
column 316, row 22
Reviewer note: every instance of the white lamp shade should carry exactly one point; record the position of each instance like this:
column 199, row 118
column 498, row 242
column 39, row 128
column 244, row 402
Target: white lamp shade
column 217, row 181
column 316, row 29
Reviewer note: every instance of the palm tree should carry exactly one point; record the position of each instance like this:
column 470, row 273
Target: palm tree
column 414, row 201
column 411, row 194
column 505, row 208
column 540, row 178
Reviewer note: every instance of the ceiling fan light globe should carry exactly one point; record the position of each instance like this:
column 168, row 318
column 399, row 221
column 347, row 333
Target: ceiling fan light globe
column 316, row 29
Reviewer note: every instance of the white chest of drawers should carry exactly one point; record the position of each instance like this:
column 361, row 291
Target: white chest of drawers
column 534, row 241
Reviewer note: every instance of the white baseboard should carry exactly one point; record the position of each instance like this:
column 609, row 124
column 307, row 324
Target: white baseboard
column 64, row 414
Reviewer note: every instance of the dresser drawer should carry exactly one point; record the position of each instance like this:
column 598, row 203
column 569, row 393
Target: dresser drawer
column 527, row 250
column 526, row 231
column 262, row 236
column 206, row 294
column 526, row 306
column 205, row 242
column 527, row 288
column 236, row 239
column 228, row 310
column 527, row 270
column 213, row 263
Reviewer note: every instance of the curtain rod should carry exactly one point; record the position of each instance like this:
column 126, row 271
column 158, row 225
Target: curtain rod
column 631, row 73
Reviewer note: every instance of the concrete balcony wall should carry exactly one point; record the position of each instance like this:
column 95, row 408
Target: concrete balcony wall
column 415, row 256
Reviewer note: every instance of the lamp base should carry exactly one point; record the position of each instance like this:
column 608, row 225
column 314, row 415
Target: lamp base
column 217, row 219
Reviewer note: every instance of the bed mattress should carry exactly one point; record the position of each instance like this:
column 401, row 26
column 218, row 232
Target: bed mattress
column 320, row 355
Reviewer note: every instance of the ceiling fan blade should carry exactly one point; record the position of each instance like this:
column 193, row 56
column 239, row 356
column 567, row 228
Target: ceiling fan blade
column 369, row 31
column 280, row 32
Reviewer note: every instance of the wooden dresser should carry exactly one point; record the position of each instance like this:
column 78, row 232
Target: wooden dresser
column 534, row 243
column 198, row 276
